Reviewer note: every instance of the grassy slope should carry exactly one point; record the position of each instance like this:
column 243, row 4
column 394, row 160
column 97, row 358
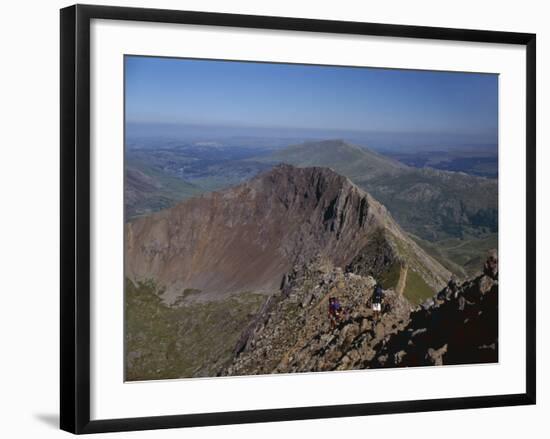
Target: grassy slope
column 438, row 254
column 462, row 257
column 434, row 205
column 390, row 278
column 416, row 290
column 167, row 191
column 349, row 160
column 186, row 341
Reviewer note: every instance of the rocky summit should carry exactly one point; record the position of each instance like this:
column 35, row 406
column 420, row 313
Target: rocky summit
column 459, row 327
column 292, row 332
column 249, row 237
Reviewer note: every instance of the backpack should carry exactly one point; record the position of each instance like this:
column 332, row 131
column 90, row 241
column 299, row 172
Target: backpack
column 377, row 296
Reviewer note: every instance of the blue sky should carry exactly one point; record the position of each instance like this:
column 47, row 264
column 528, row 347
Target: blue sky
column 181, row 91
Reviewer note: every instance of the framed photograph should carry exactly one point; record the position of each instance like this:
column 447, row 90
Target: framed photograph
column 268, row 218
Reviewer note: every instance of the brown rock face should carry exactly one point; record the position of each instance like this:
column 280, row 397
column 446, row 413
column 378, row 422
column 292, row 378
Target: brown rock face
column 247, row 237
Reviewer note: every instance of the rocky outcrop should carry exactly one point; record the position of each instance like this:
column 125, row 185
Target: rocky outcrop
column 248, row 237
column 376, row 258
column 293, row 332
column 460, row 327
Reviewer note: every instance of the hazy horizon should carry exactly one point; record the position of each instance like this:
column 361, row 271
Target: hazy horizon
column 191, row 100
column 142, row 133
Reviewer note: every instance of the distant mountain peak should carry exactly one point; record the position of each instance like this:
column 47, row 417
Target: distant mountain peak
column 329, row 142
column 247, row 237
column 347, row 159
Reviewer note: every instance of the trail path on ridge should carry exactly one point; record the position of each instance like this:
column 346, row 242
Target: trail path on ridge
column 402, row 279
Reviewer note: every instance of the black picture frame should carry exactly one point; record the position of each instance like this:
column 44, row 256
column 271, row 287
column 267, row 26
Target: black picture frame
column 75, row 217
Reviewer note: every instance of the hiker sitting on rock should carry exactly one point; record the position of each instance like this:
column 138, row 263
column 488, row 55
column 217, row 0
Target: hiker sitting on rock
column 490, row 268
column 452, row 285
column 449, row 290
column 334, row 311
column 377, row 297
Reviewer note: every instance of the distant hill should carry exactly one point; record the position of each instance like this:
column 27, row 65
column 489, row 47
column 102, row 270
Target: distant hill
column 429, row 203
column 352, row 161
column 481, row 161
column 158, row 178
column 248, row 238
column 147, row 190
column 462, row 257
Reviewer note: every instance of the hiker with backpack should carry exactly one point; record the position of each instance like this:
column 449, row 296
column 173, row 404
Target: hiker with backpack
column 490, row 268
column 452, row 285
column 334, row 311
column 377, row 297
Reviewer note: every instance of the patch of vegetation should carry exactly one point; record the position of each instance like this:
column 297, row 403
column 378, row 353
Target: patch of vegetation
column 390, row 278
column 436, row 205
column 437, row 253
column 416, row 289
column 165, row 342
column 464, row 257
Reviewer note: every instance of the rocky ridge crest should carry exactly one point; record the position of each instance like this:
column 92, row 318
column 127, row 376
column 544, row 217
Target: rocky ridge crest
column 292, row 333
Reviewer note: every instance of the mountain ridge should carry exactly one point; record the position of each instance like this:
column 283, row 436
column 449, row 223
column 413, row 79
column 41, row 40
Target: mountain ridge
column 292, row 333
column 432, row 204
column 247, row 237
column 146, row 190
